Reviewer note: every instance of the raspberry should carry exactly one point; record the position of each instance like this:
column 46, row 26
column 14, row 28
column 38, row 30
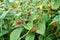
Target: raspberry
column 20, row 22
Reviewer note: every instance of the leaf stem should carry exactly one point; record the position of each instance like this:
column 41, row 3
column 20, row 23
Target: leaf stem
column 25, row 34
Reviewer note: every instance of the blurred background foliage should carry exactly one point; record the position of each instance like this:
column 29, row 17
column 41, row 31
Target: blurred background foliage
column 29, row 19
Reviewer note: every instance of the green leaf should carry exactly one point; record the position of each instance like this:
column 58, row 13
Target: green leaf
column 4, row 14
column 30, row 36
column 45, row 17
column 41, row 28
column 3, row 32
column 58, row 26
column 55, row 4
column 15, row 34
column 40, row 38
column 29, row 25
column 1, row 22
column 56, row 19
column 49, row 37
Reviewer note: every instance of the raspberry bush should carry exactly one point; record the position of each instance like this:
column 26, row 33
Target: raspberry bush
column 29, row 19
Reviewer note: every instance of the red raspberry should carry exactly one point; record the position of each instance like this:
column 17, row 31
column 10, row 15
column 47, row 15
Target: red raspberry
column 20, row 22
